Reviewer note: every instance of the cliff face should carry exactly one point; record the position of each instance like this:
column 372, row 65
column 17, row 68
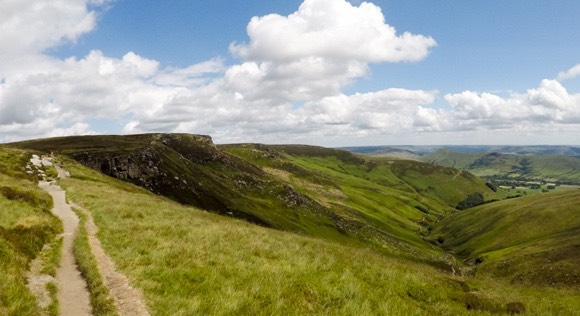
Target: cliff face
column 147, row 166
column 162, row 165
column 140, row 166
column 192, row 170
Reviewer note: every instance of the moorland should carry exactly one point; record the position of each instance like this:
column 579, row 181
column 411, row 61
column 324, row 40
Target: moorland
column 201, row 228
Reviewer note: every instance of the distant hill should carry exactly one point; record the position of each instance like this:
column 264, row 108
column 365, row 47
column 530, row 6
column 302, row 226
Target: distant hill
column 553, row 168
column 391, row 152
column 570, row 151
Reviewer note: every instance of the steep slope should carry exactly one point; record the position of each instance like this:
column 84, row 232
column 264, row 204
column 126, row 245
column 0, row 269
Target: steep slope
column 534, row 239
column 311, row 190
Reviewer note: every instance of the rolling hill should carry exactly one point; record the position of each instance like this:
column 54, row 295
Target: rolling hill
column 311, row 190
column 190, row 261
column 552, row 168
column 532, row 240
column 292, row 229
column 539, row 150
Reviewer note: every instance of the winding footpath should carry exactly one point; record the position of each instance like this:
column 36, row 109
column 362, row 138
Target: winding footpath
column 73, row 295
column 128, row 300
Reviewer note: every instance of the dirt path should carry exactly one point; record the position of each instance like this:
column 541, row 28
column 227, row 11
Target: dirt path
column 73, row 295
column 127, row 299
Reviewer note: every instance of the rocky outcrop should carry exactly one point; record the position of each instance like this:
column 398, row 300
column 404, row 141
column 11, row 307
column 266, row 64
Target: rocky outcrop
column 140, row 166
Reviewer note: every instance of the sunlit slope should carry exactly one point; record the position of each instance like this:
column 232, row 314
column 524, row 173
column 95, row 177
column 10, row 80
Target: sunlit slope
column 26, row 225
column 533, row 239
column 310, row 190
column 399, row 199
column 188, row 261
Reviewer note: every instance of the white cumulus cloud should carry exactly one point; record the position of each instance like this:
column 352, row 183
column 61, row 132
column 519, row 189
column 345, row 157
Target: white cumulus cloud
column 546, row 105
column 315, row 51
column 390, row 110
column 331, row 29
column 29, row 27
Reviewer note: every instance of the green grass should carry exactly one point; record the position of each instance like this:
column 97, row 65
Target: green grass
column 26, row 225
column 395, row 201
column 72, row 144
column 533, row 239
column 350, row 233
column 53, row 308
column 308, row 190
column 189, row 262
column 101, row 301
column 51, row 257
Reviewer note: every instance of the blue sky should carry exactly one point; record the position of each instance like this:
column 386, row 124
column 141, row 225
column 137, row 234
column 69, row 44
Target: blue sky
column 470, row 72
column 479, row 42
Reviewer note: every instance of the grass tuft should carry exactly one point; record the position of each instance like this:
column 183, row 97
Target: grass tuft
column 53, row 308
column 515, row 308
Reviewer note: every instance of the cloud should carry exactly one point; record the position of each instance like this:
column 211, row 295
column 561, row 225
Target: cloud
column 29, row 27
column 315, row 51
column 287, row 87
column 73, row 91
column 191, row 76
column 306, row 57
column 547, row 104
column 263, row 93
column 331, row 29
column 301, row 80
column 570, row 73
column 386, row 111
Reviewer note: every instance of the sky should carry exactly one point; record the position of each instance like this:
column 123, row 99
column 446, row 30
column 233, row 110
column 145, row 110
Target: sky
column 320, row 72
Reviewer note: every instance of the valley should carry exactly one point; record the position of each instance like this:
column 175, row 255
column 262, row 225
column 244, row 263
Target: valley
column 295, row 229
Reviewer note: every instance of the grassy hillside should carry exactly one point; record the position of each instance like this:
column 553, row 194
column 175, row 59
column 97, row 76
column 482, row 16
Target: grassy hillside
column 26, row 225
column 551, row 168
column 534, row 239
column 188, row 261
column 337, row 233
column 383, row 195
column 314, row 191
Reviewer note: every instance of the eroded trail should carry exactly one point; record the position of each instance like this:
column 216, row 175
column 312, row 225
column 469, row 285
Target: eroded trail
column 127, row 299
column 73, row 295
